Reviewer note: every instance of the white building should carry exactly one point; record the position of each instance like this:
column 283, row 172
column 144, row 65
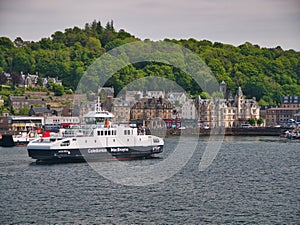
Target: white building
column 227, row 112
column 189, row 110
column 177, row 98
column 155, row 94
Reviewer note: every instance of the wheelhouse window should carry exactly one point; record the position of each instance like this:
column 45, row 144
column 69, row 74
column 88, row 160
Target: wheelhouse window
column 109, row 132
column 127, row 132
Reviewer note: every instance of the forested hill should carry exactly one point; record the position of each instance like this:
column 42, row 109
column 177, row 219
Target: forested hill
column 264, row 73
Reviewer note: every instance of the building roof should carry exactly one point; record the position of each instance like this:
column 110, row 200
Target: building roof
column 42, row 110
column 26, row 99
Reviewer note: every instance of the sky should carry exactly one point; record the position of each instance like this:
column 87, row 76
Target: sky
column 268, row 23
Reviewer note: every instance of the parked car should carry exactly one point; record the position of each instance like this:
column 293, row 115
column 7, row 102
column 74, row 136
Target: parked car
column 246, row 126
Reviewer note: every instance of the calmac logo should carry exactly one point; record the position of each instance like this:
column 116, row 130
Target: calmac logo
column 119, row 149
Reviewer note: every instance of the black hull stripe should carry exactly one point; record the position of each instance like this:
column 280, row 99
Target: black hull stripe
column 90, row 154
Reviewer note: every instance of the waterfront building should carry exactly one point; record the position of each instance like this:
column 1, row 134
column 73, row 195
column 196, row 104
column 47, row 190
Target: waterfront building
column 281, row 116
column 189, row 110
column 203, row 110
column 227, row 112
column 177, row 98
column 23, row 123
column 285, row 114
column 290, row 102
column 121, row 110
column 147, row 109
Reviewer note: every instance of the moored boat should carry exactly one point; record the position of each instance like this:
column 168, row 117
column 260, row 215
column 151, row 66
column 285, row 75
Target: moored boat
column 23, row 138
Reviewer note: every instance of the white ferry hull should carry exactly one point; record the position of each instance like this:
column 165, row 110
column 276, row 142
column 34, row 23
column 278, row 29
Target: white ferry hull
column 93, row 154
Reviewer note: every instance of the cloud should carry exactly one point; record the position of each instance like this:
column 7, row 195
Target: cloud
column 268, row 23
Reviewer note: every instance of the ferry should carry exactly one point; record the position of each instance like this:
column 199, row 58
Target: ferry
column 96, row 139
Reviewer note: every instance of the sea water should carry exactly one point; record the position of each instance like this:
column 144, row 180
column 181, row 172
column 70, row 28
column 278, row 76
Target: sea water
column 251, row 180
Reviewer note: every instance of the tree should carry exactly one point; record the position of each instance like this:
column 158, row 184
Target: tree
column 252, row 121
column 260, row 121
column 24, row 111
column 16, row 79
column 110, row 26
column 6, row 43
column 94, row 46
column 204, row 95
column 107, row 36
column 264, row 73
column 122, row 34
column 22, row 62
column 256, row 87
column 58, row 89
column 114, row 44
column 59, row 37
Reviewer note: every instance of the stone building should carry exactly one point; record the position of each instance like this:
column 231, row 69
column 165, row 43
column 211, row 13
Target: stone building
column 121, row 110
column 105, row 92
column 227, row 112
column 280, row 116
column 283, row 115
column 147, row 109
column 290, row 102
column 17, row 102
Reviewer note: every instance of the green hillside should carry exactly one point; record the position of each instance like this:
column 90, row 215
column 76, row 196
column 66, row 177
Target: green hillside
column 264, row 73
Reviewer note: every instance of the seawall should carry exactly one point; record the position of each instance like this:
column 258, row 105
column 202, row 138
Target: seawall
column 253, row 131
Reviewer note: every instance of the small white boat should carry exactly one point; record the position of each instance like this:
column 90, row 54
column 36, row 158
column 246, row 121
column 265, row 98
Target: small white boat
column 23, row 138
